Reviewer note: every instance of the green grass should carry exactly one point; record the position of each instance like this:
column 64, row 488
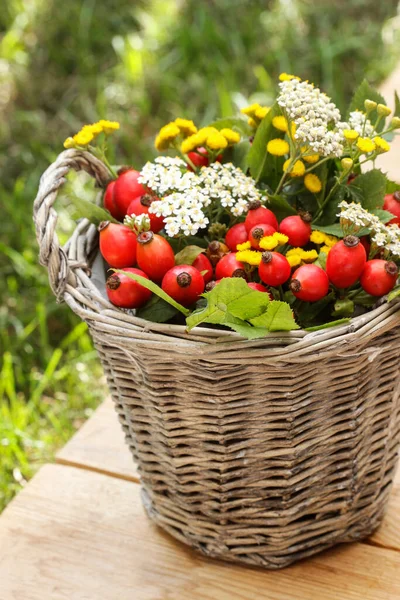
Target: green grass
column 141, row 63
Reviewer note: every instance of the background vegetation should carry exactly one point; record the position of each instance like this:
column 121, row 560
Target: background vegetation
column 141, row 63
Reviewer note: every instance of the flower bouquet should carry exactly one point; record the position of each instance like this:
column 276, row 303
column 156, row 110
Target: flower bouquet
column 244, row 307
column 259, row 224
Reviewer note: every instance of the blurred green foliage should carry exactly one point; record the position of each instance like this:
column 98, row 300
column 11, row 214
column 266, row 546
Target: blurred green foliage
column 141, row 63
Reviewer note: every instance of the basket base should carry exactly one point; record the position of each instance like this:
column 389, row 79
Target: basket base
column 270, row 559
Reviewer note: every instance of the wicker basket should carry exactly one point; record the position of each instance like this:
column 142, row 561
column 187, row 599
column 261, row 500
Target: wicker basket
column 262, row 452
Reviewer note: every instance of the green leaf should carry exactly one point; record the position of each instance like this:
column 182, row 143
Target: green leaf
column 153, row 287
column 384, row 215
column 231, row 295
column 372, row 186
column 396, row 105
column 366, row 92
column 244, row 329
column 260, row 162
column 239, row 153
column 188, row 255
column 395, row 293
column 157, row 310
column 307, row 312
column 328, row 325
column 190, row 240
column 392, row 186
column 92, row 212
column 278, row 317
column 280, row 206
column 236, row 123
column 334, row 229
column 343, row 307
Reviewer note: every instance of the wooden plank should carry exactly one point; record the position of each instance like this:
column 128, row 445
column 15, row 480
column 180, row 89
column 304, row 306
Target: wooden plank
column 78, row 534
column 100, row 446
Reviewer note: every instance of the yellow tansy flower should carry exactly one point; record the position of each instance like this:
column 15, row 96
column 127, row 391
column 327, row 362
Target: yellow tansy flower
column 244, row 246
column 309, row 256
column 262, row 112
column 281, row 238
column 231, row 136
column 83, row 138
column 381, row 144
column 311, row 159
column 166, row 135
column 250, row 111
column 191, row 143
column 294, row 260
column 350, row 134
column 313, row 183
column 269, row 242
column 69, row 143
column 95, row 129
column 280, row 122
column 278, row 147
column 108, row 126
column 296, row 170
column 251, row 257
column 204, row 132
column 252, row 122
column 294, row 252
column 325, row 249
column 186, row 127
column 216, row 141
column 331, row 240
column 287, row 77
column 317, row 237
column 365, row 145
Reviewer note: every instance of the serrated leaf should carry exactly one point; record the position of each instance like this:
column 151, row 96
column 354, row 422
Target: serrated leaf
column 372, row 186
column 392, row 186
column 235, row 123
column 188, row 255
column 157, row 310
column 231, row 295
column 258, row 160
column 334, row 229
column 366, row 92
column 278, row 317
column 244, row 329
column 87, row 210
column 153, row 287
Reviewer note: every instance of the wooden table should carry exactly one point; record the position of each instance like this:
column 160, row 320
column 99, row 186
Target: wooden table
column 78, row 532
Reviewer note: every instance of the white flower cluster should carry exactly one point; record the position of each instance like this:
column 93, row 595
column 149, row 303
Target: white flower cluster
column 313, row 113
column 184, row 194
column 384, row 236
column 359, row 123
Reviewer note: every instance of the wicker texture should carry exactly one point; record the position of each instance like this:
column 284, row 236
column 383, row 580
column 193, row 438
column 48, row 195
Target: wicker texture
column 263, row 451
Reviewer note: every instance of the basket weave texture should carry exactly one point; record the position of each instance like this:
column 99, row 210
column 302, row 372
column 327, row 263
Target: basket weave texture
column 262, row 452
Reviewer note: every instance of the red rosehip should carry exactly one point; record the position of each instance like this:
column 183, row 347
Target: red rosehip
column 199, row 158
column 228, row 266
column 117, row 244
column 346, row 261
column 125, row 292
column 309, row 283
column 237, row 234
column 364, row 240
column 274, row 268
column 259, row 287
column 201, row 263
column 184, row 283
column 259, row 214
column 126, row 189
column 297, row 228
column 140, row 206
column 392, row 205
column 109, row 202
column 259, row 231
column 154, row 255
column 379, row 277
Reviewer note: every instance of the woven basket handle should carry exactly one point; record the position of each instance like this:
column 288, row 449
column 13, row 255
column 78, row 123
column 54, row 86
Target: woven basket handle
column 45, row 217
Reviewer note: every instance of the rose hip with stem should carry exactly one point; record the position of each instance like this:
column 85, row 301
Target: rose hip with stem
column 201, row 263
column 297, row 228
column 237, row 234
column 184, row 283
column 228, row 266
column 258, row 232
column 346, row 261
column 274, row 269
column 154, row 255
column 309, row 283
column 118, row 244
column 392, row 205
column 141, row 205
column 379, row 277
column 127, row 188
column 126, row 292
column 259, row 214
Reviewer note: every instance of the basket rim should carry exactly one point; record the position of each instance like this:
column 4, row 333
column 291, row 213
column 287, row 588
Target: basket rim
column 70, row 269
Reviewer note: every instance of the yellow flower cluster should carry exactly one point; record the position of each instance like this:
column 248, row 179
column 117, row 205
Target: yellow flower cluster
column 256, row 113
column 169, row 133
column 244, row 246
column 350, row 135
column 365, row 145
column 319, row 237
column 287, row 77
column 311, row 158
column 296, row 256
column 296, row 170
column 89, row 132
column 278, row 147
column 270, row 242
column 211, row 138
column 313, row 183
column 251, row 257
column 280, row 122
column 381, row 145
